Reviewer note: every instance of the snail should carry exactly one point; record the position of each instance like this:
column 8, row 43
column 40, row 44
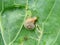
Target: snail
column 30, row 23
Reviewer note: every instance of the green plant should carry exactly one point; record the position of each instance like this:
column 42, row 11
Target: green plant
column 13, row 13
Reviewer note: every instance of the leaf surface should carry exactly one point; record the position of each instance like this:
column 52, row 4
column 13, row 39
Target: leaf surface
column 14, row 13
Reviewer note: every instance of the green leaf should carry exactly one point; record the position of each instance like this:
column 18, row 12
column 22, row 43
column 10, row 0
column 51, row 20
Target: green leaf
column 13, row 14
column 1, row 40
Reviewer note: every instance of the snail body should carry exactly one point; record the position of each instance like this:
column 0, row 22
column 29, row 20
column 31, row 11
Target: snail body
column 30, row 23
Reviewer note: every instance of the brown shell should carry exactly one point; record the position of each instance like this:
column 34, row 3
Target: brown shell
column 29, row 23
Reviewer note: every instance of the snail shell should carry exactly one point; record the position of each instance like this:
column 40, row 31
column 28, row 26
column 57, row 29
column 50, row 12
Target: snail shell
column 30, row 23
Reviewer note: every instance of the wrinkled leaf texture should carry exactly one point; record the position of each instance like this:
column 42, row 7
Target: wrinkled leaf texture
column 13, row 14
